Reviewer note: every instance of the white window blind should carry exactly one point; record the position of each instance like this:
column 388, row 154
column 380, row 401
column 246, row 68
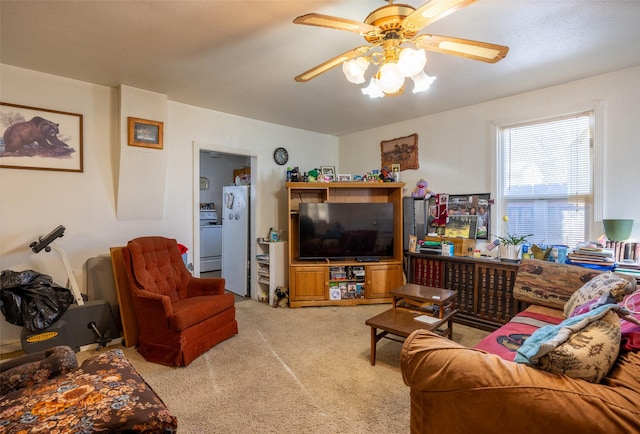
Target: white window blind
column 546, row 179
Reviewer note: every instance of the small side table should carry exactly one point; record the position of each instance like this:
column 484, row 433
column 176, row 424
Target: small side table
column 409, row 302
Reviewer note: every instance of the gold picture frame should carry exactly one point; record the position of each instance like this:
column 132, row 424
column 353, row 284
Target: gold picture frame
column 402, row 151
column 145, row 133
column 40, row 139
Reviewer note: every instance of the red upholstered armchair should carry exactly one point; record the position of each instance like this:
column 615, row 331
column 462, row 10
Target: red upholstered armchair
column 178, row 317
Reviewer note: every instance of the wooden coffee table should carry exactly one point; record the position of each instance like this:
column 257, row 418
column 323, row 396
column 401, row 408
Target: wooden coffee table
column 409, row 302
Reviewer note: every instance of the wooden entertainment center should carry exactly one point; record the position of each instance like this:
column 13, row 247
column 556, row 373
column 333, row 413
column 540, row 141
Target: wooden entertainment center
column 311, row 282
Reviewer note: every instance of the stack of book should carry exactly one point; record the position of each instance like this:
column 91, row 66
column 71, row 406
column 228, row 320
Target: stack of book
column 591, row 254
column 629, row 267
column 431, row 247
column 624, row 250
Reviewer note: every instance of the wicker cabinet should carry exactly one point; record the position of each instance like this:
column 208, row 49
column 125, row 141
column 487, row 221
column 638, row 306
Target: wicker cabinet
column 485, row 287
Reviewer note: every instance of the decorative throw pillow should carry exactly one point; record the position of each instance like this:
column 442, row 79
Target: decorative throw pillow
column 615, row 285
column 588, row 354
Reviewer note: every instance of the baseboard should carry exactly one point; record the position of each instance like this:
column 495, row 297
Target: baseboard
column 116, row 341
column 10, row 347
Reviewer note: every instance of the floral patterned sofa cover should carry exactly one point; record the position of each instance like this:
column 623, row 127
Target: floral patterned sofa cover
column 48, row 392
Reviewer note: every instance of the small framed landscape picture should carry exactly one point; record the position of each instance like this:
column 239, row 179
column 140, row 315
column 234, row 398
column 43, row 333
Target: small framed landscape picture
column 328, row 173
column 145, row 133
column 344, row 177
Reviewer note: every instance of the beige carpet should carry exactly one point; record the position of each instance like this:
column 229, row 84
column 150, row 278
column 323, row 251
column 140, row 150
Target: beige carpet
column 301, row 370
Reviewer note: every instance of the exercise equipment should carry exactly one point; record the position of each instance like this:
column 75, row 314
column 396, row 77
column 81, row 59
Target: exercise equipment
column 85, row 323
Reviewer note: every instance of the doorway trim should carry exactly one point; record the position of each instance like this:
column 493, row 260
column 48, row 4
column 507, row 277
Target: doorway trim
column 253, row 208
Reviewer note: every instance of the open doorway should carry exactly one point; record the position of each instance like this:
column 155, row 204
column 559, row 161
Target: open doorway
column 215, row 169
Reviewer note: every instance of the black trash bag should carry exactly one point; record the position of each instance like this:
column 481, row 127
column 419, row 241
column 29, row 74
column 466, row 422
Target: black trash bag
column 32, row 300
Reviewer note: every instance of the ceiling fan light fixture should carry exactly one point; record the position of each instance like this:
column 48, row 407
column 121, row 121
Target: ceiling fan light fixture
column 354, row 69
column 411, row 61
column 372, row 91
column 390, row 79
column 422, row 82
column 389, row 27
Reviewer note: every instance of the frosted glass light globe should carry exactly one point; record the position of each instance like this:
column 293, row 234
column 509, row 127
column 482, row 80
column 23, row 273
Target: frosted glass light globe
column 372, row 91
column 411, row 62
column 390, row 78
column 354, row 69
column 421, row 82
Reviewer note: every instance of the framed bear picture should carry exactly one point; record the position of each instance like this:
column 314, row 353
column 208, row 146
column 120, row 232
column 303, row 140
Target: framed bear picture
column 40, row 139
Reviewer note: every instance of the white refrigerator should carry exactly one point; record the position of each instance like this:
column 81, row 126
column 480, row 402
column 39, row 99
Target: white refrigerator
column 235, row 239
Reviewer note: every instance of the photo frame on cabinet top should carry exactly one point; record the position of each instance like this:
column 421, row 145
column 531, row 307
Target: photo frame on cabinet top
column 328, row 171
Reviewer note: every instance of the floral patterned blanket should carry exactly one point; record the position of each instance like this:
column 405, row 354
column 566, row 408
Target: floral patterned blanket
column 105, row 394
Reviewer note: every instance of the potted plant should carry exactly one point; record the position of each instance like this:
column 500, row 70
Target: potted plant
column 511, row 245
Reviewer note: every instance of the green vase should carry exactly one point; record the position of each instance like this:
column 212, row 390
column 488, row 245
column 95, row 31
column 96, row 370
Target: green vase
column 618, row 229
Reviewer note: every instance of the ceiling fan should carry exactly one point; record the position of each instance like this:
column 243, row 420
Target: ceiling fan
column 389, row 27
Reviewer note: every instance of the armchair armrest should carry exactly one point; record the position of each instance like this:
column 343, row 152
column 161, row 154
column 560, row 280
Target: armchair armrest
column 151, row 305
column 198, row 287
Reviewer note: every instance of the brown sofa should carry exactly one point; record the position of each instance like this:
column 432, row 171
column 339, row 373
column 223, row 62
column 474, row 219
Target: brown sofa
column 48, row 392
column 459, row 390
column 177, row 317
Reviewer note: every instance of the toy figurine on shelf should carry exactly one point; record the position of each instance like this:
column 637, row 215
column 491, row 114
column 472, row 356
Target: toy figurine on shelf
column 386, row 175
column 295, row 175
column 421, row 191
column 312, row 175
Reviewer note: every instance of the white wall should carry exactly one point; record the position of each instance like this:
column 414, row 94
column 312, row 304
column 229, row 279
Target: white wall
column 33, row 202
column 455, row 147
column 455, row 157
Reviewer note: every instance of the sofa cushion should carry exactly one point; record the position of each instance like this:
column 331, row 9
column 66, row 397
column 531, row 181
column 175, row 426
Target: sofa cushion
column 505, row 341
column 588, row 354
column 105, row 394
column 548, row 283
column 585, row 346
column 31, row 369
column 608, row 282
column 630, row 330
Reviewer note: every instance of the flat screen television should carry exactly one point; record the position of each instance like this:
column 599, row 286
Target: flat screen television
column 345, row 230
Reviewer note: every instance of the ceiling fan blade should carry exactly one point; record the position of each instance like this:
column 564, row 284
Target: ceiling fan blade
column 335, row 23
column 332, row 63
column 483, row 51
column 432, row 11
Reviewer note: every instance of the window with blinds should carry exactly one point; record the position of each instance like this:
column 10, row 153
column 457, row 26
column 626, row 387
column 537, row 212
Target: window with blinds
column 546, row 174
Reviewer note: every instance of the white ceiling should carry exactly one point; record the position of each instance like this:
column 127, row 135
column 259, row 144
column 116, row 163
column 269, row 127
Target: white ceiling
column 240, row 57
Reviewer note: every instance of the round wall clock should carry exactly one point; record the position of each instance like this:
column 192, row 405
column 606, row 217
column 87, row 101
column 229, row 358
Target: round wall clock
column 280, row 156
